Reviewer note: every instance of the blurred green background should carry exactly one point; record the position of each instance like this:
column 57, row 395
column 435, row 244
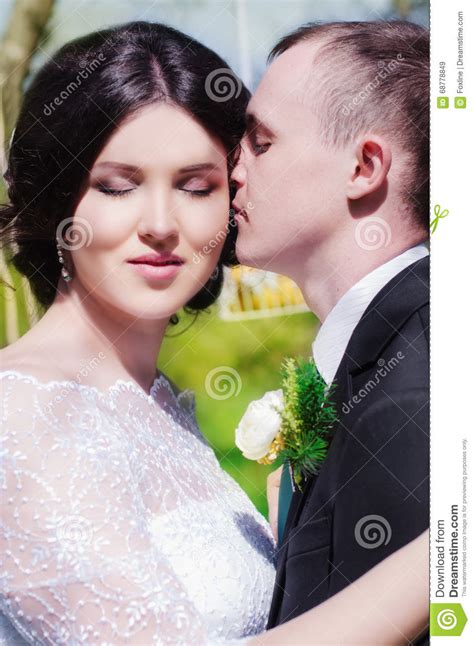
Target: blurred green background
column 253, row 348
column 242, row 32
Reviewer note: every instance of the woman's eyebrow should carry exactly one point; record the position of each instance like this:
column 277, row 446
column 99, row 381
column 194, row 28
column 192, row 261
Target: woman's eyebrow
column 205, row 166
column 133, row 171
column 118, row 165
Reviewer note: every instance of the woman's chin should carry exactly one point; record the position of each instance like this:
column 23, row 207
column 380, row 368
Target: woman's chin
column 152, row 316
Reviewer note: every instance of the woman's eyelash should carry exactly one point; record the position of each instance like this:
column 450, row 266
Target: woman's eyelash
column 114, row 192
column 204, row 192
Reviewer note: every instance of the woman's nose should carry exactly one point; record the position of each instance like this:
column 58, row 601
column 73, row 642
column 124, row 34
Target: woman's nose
column 159, row 220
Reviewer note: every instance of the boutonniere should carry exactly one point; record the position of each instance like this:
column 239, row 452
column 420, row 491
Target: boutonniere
column 292, row 423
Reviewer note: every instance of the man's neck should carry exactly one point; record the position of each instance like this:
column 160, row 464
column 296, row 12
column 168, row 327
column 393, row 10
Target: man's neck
column 324, row 281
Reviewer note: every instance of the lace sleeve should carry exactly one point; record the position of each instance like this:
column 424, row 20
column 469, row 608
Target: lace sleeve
column 79, row 565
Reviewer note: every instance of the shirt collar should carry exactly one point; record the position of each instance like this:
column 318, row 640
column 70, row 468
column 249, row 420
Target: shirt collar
column 334, row 334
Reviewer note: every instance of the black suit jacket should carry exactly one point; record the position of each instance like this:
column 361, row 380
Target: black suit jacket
column 371, row 496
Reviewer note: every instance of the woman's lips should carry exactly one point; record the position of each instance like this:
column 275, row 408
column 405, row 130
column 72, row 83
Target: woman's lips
column 163, row 271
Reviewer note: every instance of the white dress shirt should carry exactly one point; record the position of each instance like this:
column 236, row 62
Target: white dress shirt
column 334, row 334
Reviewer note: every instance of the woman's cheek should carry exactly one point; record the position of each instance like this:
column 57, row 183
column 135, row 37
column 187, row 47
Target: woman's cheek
column 101, row 254
column 110, row 233
column 209, row 250
column 213, row 226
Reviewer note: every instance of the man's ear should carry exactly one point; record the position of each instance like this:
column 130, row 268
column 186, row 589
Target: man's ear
column 372, row 161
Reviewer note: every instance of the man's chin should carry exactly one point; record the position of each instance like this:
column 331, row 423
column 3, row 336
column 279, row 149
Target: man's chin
column 248, row 256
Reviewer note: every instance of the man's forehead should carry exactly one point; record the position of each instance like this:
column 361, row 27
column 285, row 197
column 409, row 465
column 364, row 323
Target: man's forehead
column 289, row 81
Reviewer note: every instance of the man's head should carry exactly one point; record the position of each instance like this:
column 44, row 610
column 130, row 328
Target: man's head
column 337, row 139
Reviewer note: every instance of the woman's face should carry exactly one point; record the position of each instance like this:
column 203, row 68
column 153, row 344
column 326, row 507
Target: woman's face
column 159, row 188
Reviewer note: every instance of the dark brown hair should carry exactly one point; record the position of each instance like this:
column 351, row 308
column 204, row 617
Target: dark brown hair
column 374, row 76
column 74, row 104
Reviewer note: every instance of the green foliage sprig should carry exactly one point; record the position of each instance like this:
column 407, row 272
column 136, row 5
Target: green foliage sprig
column 307, row 418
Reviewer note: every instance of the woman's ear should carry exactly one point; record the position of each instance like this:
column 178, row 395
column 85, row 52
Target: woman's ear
column 372, row 162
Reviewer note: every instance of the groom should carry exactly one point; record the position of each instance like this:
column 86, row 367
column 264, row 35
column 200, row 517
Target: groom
column 333, row 191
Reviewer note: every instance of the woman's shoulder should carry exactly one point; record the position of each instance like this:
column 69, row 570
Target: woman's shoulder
column 22, row 380
column 32, row 395
column 18, row 363
column 46, row 420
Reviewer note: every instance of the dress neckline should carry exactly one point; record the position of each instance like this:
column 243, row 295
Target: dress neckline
column 117, row 385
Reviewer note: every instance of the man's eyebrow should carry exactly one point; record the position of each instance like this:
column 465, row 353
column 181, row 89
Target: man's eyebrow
column 254, row 123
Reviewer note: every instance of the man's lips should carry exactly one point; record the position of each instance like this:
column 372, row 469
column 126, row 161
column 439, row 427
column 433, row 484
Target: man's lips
column 239, row 213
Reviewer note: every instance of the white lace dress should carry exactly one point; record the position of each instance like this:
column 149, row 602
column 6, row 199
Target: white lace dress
column 118, row 525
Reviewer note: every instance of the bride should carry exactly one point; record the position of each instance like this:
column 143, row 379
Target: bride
column 118, row 524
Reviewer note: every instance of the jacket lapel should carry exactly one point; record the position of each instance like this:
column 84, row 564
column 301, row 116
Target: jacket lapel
column 407, row 292
column 384, row 316
column 391, row 307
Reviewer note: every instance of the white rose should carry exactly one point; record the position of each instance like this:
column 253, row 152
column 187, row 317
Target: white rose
column 260, row 425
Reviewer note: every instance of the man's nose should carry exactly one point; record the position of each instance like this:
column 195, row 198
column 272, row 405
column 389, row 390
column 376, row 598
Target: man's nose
column 239, row 173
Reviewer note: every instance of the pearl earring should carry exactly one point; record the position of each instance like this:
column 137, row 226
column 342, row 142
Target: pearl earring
column 64, row 271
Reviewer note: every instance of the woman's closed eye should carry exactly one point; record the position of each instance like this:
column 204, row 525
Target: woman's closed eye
column 113, row 192
column 197, row 187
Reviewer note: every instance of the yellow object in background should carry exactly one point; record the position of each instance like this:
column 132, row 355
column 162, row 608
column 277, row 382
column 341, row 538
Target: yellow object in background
column 255, row 293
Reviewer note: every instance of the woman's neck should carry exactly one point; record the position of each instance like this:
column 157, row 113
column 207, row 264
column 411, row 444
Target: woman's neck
column 83, row 334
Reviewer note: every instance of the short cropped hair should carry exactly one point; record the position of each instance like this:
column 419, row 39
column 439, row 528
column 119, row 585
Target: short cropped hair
column 374, row 76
